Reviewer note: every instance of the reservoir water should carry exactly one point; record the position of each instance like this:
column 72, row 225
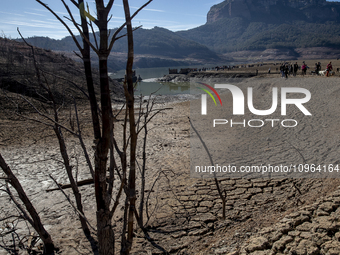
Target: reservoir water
column 149, row 84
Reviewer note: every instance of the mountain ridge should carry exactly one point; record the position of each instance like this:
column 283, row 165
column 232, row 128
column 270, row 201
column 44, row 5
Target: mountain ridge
column 232, row 26
column 239, row 25
column 153, row 47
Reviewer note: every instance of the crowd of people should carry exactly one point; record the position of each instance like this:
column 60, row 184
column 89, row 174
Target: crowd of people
column 287, row 69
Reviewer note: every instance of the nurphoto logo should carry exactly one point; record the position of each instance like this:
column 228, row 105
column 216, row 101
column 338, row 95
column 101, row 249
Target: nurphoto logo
column 239, row 105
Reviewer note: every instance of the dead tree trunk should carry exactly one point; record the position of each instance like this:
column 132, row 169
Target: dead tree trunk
column 129, row 94
column 104, row 227
column 86, row 56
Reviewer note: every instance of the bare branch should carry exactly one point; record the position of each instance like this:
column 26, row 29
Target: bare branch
column 82, row 142
column 109, row 6
column 303, row 158
column 113, row 39
column 157, row 111
column 35, row 219
column 71, row 20
column 62, row 22
column 20, row 208
column 70, row 202
column 75, row 3
column 77, row 55
column 220, row 193
column 49, row 118
column 126, row 34
column 77, row 27
column 117, row 198
column 35, row 120
column 73, row 83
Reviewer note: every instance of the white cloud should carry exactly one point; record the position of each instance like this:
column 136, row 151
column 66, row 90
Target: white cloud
column 37, row 24
column 145, row 9
column 32, row 13
column 12, row 13
column 39, row 10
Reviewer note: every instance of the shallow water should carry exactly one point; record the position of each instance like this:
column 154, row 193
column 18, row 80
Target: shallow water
column 149, row 84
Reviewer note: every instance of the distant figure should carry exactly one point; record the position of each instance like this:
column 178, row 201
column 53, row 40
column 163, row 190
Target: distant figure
column 269, row 70
column 329, row 68
column 316, row 71
column 295, row 68
column 286, row 70
column 304, row 68
column 318, row 68
column 282, row 70
column 257, row 72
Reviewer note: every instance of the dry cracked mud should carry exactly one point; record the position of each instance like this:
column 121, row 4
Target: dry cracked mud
column 264, row 216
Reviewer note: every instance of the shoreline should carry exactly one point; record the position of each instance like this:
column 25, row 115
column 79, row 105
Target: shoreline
column 249, row 70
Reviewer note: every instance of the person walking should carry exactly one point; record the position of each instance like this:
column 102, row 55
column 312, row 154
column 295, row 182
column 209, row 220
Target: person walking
column 329, row 68
column 282, row 70
column 318, row 68
column 295, row 68
column 286, row 70
column 304, row 68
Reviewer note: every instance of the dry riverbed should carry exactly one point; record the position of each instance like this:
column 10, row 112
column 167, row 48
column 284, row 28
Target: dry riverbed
column 264, row 216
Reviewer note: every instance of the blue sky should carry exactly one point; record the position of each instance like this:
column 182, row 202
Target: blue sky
column 33, row 20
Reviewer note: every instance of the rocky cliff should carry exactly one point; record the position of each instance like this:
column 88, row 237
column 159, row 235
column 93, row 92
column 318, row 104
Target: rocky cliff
column 248, row 25
column 272, row 10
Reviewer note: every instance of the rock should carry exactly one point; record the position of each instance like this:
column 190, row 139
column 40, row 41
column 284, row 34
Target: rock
column 306, row 235
column 320, row 212
column 222, row 250
column 276, row 236
column 294, row 233
column 261, row 184
column 306, row 247
column 254, row 190
column 299, row 220
column 327, row 207
column 207, row 204
column 321, row 238
column 207, row 217
column 266, row 230
column 306, row 226
column 337, row 236
column 306, row 212
column 257, row 243
column 331, row 248
column 233, row 253
column 294, row 215
column 238, row 191
column 199, row 232
column 179, row 234
column 326, row 224
column 280, row 244
column 266, row 252
column 284, row 227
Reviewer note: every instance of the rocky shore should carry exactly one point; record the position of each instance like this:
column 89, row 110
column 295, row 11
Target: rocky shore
column 259, row 69
column 204, row 75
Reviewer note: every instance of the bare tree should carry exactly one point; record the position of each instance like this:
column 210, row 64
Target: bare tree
column 102, row 122
column 106, row 149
